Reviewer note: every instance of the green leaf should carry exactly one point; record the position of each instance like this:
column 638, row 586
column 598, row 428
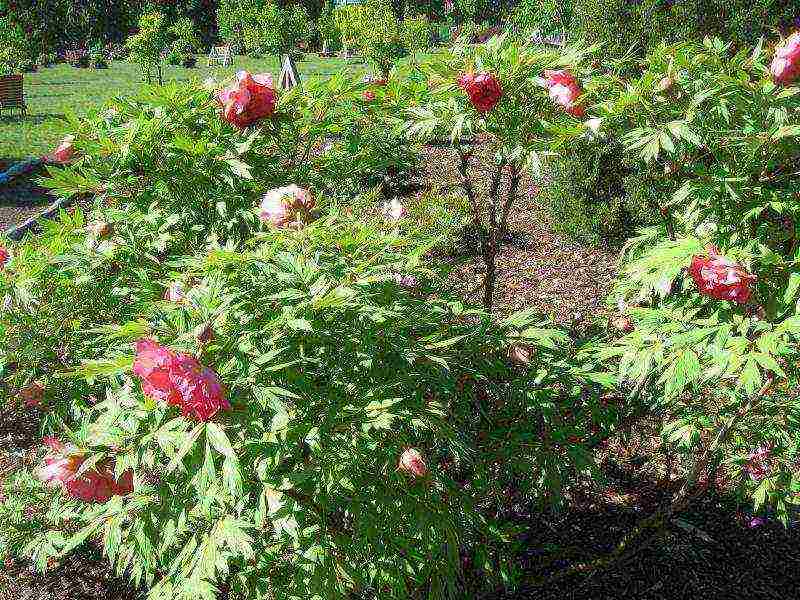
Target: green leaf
column 219, row 440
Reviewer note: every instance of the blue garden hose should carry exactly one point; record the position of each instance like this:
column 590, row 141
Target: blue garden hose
column 20, row 168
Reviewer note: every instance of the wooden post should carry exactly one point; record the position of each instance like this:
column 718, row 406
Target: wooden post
column 289, row 76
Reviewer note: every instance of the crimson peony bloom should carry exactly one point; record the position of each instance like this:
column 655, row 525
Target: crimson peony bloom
column 483, row 90
column 721, row 278
column 411, row 462
column 283, row 205
column 248, row 101
column 179, row 379
column 5, row 256
column 785, row 67
column 94, row 485
column 564, row 91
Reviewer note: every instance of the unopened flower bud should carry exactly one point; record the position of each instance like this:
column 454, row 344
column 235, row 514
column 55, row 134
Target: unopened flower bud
column 101, row 229
column 666, row 85
column 411, row 462
column 622, row 324
column 520, row 354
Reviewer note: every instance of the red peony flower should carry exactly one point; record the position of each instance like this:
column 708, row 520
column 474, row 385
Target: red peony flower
column 721, row 278
column 785, row 67
column 483, row 90
column 564, row 91
column 97, row 484
column 411, row 462
column 251, row 99
column 5, row 256
column 178, row 379
column 369, row 95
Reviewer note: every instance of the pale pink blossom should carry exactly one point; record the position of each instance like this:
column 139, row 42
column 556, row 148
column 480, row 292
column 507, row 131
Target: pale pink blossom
column 411, row 462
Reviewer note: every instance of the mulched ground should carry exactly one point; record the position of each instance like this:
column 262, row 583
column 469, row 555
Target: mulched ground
column 710, row 552
column 20, row 200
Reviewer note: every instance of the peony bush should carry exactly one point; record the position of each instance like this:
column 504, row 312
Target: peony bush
column 522, row 101
column 712, row 290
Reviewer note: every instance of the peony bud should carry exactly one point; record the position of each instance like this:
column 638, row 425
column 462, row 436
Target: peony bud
column 394, row 210
column 369, row 95
column 483, row 90
column 520, row 354
column 176, row 292
column 101, row 229
column 32, row 394
column 64, row 153
column 622, row 324
column 5, row 256
column 666, row 85
column 411, row 462
column 205, row 334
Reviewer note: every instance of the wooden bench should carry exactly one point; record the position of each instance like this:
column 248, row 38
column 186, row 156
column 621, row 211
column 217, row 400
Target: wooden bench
column 12, row 94
column 220, row 54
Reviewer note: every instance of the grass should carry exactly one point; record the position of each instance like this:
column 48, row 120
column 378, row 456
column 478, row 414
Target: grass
column 50, row 92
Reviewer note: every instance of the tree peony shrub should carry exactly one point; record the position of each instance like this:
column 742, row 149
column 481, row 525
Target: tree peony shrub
column 521, row 135
column 483, row 90
column 785, row 66
column 248, row 101
column 332, row 372
column 723, row 370
column 720, row 278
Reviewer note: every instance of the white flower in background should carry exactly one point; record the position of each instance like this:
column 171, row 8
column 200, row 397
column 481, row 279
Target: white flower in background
column 394, row 210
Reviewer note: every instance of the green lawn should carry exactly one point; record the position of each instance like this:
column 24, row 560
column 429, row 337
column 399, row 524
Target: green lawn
column 51, row 91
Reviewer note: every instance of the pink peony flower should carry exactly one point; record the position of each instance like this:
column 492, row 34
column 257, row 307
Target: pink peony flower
column 721, row 278
column 394, row 210
column 64, row 153
column 179, row 380
column 564, row 91
column 483, row 90
column 251, row 99
column 32, row 394
column 283, row 205
column 785, row 67
column 97, row 484
column 411, row 462
column 5, row 256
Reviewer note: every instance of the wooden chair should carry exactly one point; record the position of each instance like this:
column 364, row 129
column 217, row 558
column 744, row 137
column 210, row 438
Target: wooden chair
column 12, row 94
column 220, row 54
